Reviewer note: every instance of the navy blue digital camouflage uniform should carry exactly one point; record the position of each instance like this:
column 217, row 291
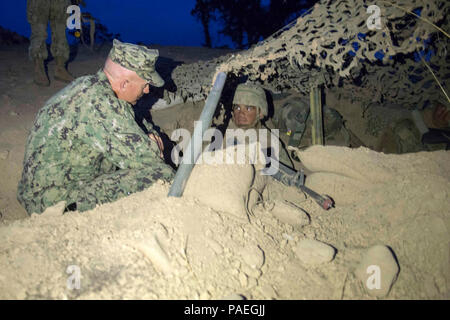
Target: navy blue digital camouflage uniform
column 86, row 148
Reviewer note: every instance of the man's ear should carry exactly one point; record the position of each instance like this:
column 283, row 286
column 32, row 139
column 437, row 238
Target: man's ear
column 124, row 84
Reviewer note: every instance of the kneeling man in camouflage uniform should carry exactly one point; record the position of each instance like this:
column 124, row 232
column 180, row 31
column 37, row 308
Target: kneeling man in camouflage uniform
column 85, row 147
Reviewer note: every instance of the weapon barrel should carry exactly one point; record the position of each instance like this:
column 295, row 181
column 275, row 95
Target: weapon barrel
column 291, row 177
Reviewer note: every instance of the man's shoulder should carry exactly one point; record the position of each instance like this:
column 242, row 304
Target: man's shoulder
column 81, row 93
column 95, row 84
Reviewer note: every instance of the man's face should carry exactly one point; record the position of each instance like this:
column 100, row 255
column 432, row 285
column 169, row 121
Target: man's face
column 135, row 87
column 244, row 116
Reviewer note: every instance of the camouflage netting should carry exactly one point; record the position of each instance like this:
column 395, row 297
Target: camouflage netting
column 331, row 45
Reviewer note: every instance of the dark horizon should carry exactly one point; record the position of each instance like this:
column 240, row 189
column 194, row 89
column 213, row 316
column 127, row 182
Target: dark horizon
column 157, row 22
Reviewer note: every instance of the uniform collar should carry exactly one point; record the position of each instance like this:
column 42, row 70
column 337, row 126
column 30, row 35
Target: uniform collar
column 102, row 78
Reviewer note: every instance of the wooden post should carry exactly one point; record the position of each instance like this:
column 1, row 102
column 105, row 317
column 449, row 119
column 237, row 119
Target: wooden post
column 316, row 116
column 92, row 33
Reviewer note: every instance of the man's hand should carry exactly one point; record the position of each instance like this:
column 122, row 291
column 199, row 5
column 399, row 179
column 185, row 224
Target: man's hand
column 441, row 116
column 159, row 142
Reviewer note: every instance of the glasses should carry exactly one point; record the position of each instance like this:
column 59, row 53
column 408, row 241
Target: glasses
column 242, row 108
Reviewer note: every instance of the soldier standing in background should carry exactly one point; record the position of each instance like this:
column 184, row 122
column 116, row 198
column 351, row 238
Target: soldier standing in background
column 424, row 130
column 293, row 120
column 39, row 14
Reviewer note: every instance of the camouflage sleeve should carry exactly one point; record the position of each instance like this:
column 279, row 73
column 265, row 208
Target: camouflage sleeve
column 122, row 142
column 148, row 126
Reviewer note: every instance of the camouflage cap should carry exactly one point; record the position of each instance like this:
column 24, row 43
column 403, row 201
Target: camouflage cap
column 251, row 95
column 139, row 59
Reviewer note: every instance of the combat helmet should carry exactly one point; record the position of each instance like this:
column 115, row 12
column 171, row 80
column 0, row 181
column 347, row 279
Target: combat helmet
column 407, row 137
column 251, row 95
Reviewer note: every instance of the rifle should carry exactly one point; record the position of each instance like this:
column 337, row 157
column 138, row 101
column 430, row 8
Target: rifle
column 290, row 177
column 436, row 136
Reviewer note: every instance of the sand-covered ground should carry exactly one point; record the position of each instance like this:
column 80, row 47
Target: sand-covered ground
column 149, row 246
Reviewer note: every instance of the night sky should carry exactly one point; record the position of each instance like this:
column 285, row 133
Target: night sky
column 164, row 22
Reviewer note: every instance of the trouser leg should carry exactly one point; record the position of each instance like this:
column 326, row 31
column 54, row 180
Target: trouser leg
column 105, row 188
column 113, row 186
column 58, row 20
column 38, row 12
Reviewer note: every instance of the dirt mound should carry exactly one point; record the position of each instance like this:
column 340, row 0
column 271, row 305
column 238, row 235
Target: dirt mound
column 150, row 246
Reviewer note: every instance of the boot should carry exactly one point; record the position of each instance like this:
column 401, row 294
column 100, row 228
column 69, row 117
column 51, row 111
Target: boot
column 40, row 78
column 61, row 73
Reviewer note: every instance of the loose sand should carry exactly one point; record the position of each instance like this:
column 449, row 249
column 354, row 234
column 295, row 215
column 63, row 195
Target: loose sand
column 149, row 246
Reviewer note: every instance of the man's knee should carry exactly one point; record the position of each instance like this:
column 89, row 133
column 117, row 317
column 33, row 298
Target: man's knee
column 111, row 187
column 37, row 202
column 38, row 47
column 60, row 46
column 38, row 33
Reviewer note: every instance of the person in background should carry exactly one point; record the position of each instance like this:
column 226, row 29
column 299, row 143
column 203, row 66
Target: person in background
column 39, row 14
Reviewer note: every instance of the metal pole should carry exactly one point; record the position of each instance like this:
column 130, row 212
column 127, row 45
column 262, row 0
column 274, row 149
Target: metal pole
column 316, row 116
column 194, row 147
